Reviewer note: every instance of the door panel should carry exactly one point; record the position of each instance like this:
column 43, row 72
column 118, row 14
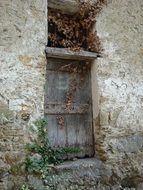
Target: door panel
column 68, row 106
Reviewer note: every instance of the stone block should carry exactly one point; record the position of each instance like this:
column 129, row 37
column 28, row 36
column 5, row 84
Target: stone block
column 104, row 118
column 127, row 144
column 13, row 158
column 6, row 116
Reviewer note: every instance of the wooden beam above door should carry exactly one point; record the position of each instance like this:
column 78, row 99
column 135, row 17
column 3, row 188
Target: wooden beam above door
column 65, row 53
column 65, row 6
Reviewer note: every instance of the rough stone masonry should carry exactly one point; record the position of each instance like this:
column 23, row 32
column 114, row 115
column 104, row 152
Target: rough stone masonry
column 117, row 76
column 23, row 39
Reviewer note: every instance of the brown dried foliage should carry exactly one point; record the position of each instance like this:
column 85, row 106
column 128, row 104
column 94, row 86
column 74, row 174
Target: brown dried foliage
column 76, row 31
column 60, row 120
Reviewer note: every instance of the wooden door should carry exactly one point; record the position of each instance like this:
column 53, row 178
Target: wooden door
column 68, row 107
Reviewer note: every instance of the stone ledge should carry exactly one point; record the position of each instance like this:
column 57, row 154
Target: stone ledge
column 90, row 167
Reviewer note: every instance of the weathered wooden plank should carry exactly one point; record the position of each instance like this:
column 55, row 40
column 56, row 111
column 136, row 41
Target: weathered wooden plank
column 59, row 85
column 56, row 133
column 65, row 6
column 60, row 64
column 56, row 108
column 65, row 53
column 56, row 87
column 76, row 132
column 79, row 134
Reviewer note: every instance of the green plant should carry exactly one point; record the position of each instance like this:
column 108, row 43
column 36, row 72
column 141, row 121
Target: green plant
column 70, row 150
column 24, row 187
column 40, row 155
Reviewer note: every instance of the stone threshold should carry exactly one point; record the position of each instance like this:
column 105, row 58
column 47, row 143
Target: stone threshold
column 82, row 167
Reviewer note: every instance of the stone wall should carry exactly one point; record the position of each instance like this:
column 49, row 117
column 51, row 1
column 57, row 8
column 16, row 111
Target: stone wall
column 119, row 121
column 23, row 39
column 117, row 76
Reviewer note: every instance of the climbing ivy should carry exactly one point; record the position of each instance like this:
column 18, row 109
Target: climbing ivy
column 40, row 155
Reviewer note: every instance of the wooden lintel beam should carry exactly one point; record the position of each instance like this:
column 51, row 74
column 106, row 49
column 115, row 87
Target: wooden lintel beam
column 65, row 6
column 65, row 53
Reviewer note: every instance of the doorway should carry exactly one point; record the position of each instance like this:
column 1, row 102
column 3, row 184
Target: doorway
column 68, row 105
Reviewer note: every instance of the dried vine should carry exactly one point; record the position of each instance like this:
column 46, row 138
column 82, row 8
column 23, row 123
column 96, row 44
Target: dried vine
column 80, row 68
column 60, row 120
column 75, row 32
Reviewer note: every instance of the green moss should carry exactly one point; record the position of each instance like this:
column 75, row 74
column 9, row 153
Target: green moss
column 17, row 169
